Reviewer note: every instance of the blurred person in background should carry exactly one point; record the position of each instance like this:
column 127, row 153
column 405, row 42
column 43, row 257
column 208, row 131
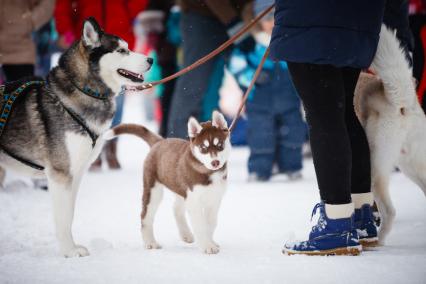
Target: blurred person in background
column 204, row 25
column 275, row 127
column 18, row 20
column 158, row 25
column 45, row 39
column 115, row 17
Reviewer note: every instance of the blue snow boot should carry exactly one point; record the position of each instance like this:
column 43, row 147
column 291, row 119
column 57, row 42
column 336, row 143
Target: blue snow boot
column 328, row 237
column 364, row 224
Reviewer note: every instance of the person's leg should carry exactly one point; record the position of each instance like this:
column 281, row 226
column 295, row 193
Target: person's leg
column 166, row 96
column 291, row 132
column 261, row 142
column 362, row 196
column 110, row 147
column 15, row 72
column 322, row 91
column 361, row 170
column 291, row 135
column 200, row 36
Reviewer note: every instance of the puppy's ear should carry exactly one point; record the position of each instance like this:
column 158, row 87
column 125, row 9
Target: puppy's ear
column 219, row 121
column 194, row 127
column 92, row 32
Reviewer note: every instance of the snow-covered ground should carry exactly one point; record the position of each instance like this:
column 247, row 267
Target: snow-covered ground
column 255, row 220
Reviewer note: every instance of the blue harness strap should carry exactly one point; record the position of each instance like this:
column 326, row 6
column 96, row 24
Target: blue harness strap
column 7, row 100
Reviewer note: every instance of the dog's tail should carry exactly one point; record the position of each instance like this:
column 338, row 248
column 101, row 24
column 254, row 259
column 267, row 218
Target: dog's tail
column 392, row 67
column 138, row 130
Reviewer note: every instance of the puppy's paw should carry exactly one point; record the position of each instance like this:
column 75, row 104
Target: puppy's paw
column 76, row 251
column 187, row 238
column 152, row 245
column 211, row 249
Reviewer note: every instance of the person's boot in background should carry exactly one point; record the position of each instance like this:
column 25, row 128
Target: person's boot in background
column 96, row 166
column 111, row 154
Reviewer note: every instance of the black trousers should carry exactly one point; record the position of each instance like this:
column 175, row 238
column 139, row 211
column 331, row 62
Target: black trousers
column 15, row 72
column 339, row 145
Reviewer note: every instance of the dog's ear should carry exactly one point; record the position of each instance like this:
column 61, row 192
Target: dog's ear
column 219, row 121
column 194, row 127
column 92, row 33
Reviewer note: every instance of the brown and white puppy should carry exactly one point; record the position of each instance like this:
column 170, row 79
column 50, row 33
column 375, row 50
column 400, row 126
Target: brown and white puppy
column 194, row 170
column 395, row 124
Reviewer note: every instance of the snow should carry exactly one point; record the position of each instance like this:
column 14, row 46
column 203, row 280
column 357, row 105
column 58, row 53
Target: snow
column 255, row 219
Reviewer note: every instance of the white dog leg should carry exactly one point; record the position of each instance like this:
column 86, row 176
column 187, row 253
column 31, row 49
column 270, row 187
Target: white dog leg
column 384, row 202
column 156, row 195
column 199, row 225
column 385, row 145
column 63, row 196
column 179, row 210
column 212, row 211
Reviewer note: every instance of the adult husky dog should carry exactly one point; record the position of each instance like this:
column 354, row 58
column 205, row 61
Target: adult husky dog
column 56, row 130
column 395, row 124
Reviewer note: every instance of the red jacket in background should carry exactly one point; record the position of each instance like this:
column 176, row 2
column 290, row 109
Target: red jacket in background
column 114, row 16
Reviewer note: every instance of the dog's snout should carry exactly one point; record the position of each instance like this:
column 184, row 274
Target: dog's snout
column 215, row 163
column 150, row 60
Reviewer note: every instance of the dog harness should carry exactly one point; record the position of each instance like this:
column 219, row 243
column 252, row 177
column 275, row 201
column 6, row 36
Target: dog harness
column 8, row 98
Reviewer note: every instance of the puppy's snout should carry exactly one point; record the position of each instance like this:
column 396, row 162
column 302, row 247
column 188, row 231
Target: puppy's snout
column 150, row 60
column 215, row 163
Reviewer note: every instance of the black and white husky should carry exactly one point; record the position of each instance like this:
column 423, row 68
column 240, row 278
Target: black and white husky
column 57, row 130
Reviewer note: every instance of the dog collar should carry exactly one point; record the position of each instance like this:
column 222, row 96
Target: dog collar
column 91, row 93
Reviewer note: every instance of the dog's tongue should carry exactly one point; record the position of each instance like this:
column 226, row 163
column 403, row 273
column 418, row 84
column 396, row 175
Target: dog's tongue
column 139, row 76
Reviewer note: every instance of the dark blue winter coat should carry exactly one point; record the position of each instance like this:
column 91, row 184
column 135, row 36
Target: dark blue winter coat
column 336, row 32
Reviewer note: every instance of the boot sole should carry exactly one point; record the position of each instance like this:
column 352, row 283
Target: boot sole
column 370, row 243
column 337, row 251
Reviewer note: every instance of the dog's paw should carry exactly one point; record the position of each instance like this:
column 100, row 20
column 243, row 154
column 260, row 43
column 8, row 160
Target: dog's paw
column 76, row 251
column 211, row 249
column 188, row 238
column 152, row 245
column 381, row 240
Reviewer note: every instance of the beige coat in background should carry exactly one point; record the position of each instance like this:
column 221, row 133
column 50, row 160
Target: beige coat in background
column 18, row 19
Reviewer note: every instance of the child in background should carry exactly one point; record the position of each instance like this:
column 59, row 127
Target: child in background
column 276, row 130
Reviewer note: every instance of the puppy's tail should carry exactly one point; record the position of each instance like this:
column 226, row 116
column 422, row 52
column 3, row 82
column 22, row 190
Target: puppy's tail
column 392, row 67
column 138, row 130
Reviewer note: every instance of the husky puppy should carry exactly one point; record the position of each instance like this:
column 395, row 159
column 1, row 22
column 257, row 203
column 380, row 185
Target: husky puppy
column 395, row 124
column 58, row 128
column 194, row 170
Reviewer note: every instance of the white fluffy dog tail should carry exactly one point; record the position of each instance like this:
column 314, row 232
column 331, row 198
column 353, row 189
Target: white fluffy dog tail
column 392, row 67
